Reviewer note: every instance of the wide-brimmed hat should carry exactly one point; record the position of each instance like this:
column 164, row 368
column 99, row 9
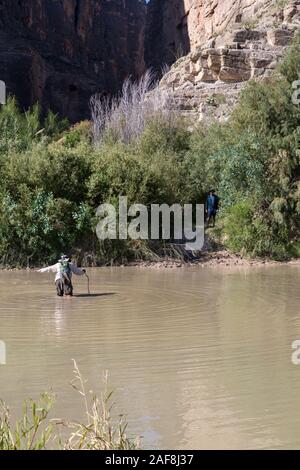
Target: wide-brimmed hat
column 64, row 258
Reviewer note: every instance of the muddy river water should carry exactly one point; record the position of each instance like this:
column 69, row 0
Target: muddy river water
column 198, row 357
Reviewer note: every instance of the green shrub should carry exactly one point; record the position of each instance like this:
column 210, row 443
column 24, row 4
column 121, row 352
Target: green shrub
column 54, row 178
column 241, row 170
column 247, row 233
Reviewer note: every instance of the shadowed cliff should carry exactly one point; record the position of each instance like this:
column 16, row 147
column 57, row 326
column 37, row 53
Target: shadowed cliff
column 60, row 53
column 167, row 35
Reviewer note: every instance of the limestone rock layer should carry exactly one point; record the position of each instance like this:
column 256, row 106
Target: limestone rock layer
column 230, row 42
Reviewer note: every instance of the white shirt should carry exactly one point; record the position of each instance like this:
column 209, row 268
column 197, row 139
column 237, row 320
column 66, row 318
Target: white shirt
column 56, row 268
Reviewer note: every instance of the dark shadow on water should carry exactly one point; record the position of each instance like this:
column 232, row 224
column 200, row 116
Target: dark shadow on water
column 83, row 296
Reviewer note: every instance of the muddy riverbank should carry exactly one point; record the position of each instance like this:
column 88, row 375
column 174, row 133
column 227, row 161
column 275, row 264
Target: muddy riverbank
column 212, row 259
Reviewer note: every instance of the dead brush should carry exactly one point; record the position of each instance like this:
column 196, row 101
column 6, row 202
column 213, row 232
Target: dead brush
column 126, row 116
column 100, row 432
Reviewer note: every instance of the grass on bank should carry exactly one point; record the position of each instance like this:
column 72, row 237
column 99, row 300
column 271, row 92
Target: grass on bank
column 35, row 430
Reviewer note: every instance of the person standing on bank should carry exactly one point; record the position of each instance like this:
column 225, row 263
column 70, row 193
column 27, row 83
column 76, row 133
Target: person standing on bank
column 64, row 270
column 212, row 207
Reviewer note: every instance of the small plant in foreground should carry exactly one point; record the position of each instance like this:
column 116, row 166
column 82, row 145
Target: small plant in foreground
column 99, row 432
column 35, row 430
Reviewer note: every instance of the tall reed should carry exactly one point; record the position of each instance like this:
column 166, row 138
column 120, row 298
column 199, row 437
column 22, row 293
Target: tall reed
column 35, row 430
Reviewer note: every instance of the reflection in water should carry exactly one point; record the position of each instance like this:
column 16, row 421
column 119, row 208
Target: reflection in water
column 199, row 358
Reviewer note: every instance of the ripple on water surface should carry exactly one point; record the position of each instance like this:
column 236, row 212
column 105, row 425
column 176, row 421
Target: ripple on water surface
column 200, row 358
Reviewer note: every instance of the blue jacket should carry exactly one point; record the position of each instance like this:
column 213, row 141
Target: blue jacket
column 212, row 203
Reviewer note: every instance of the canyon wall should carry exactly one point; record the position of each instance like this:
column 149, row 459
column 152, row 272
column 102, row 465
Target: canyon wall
column 231, row 42
column 60, row 52
column 167, row 33
column 177, row 27
column 208, row 18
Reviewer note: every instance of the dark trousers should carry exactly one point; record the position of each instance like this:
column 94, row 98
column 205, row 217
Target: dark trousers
column 64, row 286
column 211, row 216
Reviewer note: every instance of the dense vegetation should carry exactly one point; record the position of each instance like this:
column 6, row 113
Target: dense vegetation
column 53, row 177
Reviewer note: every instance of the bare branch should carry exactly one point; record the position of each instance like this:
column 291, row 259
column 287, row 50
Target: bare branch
column 126, row 116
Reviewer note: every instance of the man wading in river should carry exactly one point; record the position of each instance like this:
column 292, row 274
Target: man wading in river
column 64, row 270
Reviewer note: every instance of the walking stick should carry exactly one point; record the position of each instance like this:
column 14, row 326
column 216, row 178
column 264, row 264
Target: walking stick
column 88, row 280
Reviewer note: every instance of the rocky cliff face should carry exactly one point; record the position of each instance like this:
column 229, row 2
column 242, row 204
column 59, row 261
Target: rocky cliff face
column 231, row 42
column 59, row 52
column 167, row 35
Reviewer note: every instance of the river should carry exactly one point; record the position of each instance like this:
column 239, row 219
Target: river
column 199, row 358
